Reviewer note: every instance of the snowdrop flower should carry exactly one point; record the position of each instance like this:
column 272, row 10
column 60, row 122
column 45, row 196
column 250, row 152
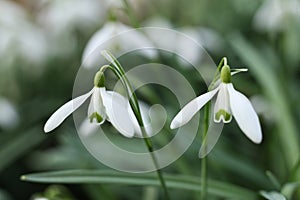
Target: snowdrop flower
column 69, row 15
column 272, row 15
column 104, row 105
column 9, row 117
column 20, row 38
column 229, row 103
column 116, row 37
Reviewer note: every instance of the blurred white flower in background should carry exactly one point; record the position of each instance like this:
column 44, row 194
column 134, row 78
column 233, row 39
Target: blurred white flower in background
column 9, row 117
column 60, row 17
column 190, row 47
column 115, row 37
column 273, row 14
column 20, row 39
column 63, row 20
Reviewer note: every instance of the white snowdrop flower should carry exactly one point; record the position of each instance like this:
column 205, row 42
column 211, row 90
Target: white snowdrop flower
column 115, row 37
column 9, row 117
column 272, row 14
column 20, row 38
column 191, row 42
column 104, row 105
column 229, row 103
column 61, row 17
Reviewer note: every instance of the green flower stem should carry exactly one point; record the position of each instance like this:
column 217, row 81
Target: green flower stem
column 207, row 108
column 204, row 160
column 129, row 12
column 217, row 73
column 120, row 73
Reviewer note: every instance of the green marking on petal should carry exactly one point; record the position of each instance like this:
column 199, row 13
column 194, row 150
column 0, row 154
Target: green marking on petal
column 225, row 74
column 224, row 113
column 99, row 79
column 96, row 116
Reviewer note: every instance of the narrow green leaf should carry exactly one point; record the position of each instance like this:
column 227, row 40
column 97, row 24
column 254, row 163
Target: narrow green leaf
column 272, row 195
column 273, row 180
column 16, row 145
column 289, row 189
column 112, row 177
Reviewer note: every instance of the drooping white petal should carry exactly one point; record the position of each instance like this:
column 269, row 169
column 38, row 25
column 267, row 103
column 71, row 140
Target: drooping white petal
column 222, row 110
column 190, row 109
column 96, row 110
column 64, row 111
column 245, row 115
column 154, row 118
column 87, row 128
column 117, row 111
column 144, row 109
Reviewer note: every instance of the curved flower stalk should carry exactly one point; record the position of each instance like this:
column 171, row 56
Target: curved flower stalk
column 229, row 103
column 104, row 105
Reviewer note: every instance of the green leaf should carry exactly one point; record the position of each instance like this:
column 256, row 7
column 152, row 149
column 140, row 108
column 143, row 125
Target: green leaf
column 15, row 145
column 272, row 195
column 264, row 72
column 289, row 188
column 112, row 177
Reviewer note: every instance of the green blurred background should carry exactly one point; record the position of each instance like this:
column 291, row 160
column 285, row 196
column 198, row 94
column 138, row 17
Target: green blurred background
column 41, row 47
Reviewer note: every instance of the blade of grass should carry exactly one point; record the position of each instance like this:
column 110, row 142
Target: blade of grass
column 15, row 145
column 217, row 188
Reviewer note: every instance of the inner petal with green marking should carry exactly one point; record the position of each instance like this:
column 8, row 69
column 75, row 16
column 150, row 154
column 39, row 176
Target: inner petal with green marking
column 97, row 117
column 223, row 115
column 222, row 111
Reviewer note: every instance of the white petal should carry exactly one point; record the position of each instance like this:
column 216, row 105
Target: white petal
column 222, row 110
column 64, row 111
column 144, row 109
column 190, row 109
column 117, row 110
column 87, row 129
column 245, row 115
column 96, row 106
column 154, row 119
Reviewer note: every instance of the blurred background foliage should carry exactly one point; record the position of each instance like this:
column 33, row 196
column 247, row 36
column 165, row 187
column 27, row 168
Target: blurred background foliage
column 41, row 48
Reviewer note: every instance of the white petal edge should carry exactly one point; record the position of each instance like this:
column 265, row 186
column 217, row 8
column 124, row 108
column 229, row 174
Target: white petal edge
column 64, row 111
column 96, row 105
column 116, row 107
column 190, row 109
column 245, row 115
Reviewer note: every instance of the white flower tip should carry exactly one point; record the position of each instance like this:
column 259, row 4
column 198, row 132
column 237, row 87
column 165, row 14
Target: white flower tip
column 257, row 139
column 47, row 129
column 174, row 124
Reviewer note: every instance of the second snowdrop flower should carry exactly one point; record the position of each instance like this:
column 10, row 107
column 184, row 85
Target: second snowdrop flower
column 104, row 105
column 229, row 103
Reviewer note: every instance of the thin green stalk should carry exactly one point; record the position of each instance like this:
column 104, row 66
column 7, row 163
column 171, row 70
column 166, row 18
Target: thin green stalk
column 149, row 145
column 120, row 73
column 205, row 129
column 129, row 12
column 204, row 160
